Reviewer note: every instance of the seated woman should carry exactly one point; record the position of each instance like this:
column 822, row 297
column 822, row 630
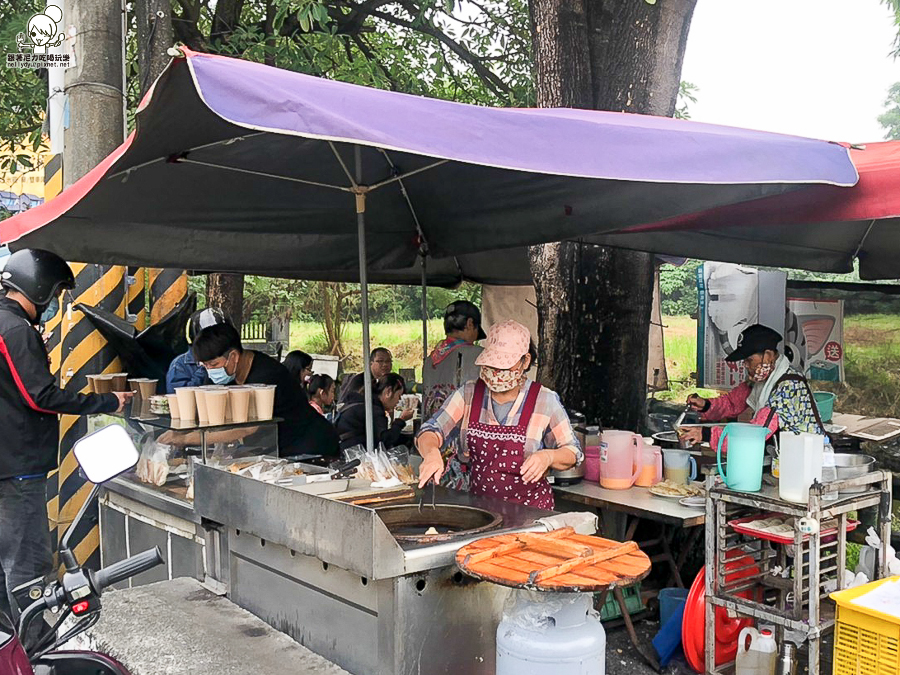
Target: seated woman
column 351, row 420
column 300, row 366
column 778, row 395
column 512, row 429
column 321, row 392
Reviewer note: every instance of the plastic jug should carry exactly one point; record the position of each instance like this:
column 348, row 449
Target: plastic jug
column 758, row 655
column 746, row 445
column 619, row 454
column 678, row 466
column 651, row 466
column 799, row 464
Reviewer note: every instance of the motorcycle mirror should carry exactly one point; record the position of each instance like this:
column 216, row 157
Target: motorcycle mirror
column 106, row 453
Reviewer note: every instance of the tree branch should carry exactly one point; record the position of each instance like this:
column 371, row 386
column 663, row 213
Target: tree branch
column 494, row 83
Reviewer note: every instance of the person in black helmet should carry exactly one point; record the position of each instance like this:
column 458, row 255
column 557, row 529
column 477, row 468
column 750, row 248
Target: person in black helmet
column 184, row 371
column 30, row 401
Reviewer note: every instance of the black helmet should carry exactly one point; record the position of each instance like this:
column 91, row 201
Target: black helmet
column 36, row 274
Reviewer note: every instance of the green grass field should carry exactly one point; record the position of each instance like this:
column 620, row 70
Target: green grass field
column 872, row 359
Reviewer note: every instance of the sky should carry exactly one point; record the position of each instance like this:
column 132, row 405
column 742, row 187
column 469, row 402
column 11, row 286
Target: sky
column 817, row 68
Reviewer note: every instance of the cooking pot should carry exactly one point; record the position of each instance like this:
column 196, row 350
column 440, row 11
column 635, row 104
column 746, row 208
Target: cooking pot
column 569, row 476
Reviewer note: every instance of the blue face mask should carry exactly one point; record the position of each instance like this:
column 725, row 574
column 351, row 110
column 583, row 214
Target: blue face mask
column 220, row 375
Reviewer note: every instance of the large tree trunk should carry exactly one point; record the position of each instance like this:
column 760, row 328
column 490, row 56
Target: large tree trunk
column 594, row 303
column 226, row 292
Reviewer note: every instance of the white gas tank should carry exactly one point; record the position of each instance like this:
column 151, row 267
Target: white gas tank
column 551, row 634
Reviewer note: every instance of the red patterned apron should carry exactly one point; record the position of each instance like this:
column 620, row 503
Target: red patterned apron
column 497, row 452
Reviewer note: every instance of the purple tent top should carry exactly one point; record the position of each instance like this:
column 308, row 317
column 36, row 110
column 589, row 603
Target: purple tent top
column 237, row 166
column 561, row 142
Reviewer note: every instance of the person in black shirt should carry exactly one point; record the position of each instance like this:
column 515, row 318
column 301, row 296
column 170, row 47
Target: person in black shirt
column 351, row 420
column 303, row 431
column 30, row 402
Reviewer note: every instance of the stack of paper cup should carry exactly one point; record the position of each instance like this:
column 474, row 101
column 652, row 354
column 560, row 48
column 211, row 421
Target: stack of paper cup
column 216, row 402
column 174, row 412
column 240, row 403
column 187, row 403
column 264, row 397
column 202, row 414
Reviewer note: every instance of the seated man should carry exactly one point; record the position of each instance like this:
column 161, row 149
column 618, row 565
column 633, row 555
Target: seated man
column 184, row 371
column 381, row 362
column 303, row 431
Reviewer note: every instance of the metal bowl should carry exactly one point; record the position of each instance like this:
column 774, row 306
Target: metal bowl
column 853, row 466
column 407, row 523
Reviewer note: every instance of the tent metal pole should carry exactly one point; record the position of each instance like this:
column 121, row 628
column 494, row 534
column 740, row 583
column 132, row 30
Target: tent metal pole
column 364, row 303
column 424, row 308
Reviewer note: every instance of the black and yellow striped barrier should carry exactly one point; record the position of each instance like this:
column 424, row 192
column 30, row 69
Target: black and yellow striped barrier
column 168, row 288
column 136, row 304
column 84, row 352
column 53, row 182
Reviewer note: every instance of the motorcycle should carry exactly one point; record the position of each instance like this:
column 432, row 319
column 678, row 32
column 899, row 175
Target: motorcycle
column 102, row 456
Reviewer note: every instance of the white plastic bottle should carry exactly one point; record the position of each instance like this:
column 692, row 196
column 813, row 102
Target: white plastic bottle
column 759, row 656
column 829, row 472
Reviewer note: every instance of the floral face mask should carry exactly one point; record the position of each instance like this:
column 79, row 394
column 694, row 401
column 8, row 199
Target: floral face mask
column 499, row 381
column 763, row 370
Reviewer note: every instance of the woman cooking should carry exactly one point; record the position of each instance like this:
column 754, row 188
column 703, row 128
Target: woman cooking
column 512, row 429
column 777, row 394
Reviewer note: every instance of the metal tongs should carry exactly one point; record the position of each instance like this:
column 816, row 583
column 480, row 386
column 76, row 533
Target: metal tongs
column 422, row 497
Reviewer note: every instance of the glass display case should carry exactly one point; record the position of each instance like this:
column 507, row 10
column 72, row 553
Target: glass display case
column 169, row 447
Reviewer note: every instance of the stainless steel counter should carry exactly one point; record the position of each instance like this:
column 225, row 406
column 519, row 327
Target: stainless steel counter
column 335, row 532
column 332, row 576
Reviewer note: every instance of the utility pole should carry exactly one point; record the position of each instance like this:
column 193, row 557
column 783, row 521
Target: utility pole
column 94, row 88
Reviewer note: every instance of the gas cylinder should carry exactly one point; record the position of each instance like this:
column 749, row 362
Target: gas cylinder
column 551, row 634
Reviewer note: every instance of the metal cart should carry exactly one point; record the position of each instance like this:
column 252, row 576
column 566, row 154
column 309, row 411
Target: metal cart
column 785, row 583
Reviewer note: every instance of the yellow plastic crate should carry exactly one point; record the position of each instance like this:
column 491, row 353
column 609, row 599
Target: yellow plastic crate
column 866, row 642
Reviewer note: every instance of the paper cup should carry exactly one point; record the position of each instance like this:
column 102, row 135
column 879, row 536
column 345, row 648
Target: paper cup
column 133, row 386
column 147, row 387
column 120, row 382
column 265, row 401
column 216, row 402
column 219, row 387
column 187, row 403
column 240, row 403
column 91, row 385
column 103, row 383
column 200, row 394
column 174, row 412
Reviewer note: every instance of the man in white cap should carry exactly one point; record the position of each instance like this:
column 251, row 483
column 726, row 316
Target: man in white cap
column 184, row 371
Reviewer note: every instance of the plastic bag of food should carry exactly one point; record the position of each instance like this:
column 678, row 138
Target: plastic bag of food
column 153, row 465
column 399, row 461
column 365, row 470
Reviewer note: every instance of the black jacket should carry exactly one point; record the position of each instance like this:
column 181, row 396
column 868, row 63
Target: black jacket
column 30, row 399
column 351, row 423
column 304, row 430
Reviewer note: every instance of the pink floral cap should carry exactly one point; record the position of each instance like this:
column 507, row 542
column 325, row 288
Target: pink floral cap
column 507, row 342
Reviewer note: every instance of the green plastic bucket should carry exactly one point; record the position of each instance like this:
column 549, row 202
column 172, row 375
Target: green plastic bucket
column 825, row 404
